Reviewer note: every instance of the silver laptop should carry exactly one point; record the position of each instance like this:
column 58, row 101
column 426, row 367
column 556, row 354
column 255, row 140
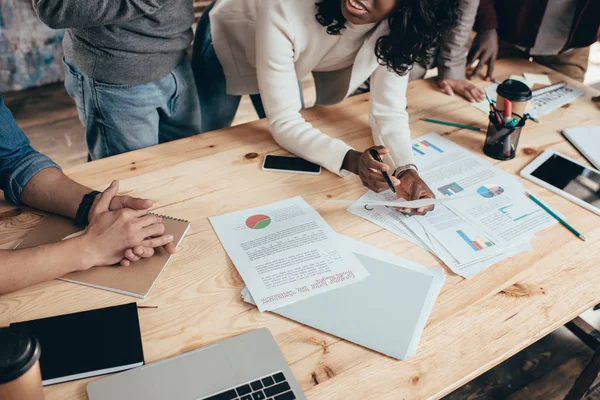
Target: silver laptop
column 245, row 367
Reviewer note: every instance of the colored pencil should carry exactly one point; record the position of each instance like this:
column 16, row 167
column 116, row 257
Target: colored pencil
column 559, row 219
column 435, row 121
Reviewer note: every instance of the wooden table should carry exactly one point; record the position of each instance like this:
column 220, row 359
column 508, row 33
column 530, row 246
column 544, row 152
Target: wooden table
column 474, row 326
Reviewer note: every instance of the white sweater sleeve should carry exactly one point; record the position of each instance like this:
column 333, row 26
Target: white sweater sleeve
column 389, row 119
column 278, row 85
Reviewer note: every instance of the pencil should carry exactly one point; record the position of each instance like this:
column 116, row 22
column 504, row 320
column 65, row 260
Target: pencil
column 435, row 121
column 559, row 219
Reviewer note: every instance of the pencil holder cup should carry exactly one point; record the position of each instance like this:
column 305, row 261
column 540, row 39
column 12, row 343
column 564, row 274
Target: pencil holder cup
column 501, row 141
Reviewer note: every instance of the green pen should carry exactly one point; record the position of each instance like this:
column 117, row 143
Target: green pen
column 559, row 219
column 435, row 121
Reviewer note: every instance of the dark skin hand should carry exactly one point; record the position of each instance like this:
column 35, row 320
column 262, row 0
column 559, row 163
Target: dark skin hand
column 461, row 87
column 369, row 170
column 410, row 186
column 484, row 50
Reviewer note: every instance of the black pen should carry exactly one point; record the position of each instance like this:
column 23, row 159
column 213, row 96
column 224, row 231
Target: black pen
column 375, row 155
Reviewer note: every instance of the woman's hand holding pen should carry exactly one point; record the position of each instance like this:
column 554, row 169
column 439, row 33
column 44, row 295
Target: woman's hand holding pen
column 412, row 187
column 368, row 169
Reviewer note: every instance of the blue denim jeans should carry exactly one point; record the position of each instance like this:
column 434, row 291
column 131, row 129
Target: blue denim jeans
column 19, row 162
column 122, row 118
column 218, row 108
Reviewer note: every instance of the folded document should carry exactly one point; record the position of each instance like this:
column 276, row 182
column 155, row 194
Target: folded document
column 385, row 312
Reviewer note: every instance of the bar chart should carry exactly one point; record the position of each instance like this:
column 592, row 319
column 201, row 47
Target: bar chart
column 476, row 244
column 450, row 189
column 424, row 146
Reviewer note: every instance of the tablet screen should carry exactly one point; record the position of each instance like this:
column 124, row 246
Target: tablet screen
column 575, row 179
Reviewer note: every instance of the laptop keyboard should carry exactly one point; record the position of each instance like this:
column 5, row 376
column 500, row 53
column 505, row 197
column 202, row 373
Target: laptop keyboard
column 271, row 387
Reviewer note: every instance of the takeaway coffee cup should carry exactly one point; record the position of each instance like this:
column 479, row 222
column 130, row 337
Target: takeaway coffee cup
column 20, row 376
column 517, row 92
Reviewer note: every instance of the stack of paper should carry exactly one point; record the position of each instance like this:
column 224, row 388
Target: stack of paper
column 486, row 217
column 386, row 312
column 286, row 252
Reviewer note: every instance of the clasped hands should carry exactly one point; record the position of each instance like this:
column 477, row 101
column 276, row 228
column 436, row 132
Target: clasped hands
column 121, row 230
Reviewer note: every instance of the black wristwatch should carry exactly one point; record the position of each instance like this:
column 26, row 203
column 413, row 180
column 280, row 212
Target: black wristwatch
column 81, row 218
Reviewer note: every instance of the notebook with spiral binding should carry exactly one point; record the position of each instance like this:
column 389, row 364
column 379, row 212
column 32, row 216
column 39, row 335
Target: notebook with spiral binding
column 135, row 280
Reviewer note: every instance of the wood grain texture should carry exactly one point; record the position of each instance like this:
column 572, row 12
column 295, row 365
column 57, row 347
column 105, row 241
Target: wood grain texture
column 475, row 324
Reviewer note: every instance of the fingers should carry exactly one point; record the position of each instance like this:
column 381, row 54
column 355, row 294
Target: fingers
column 446, row 88
column 106, row 197
column 468, row 95
column 148, row 219
column 136, row 203
column 153, row 230
column 131, row 256
column 381, row 150
column 143, row 251
column 157, row 241
column 474, row 54
column 490, row 71
column 370, row 163
column 478, row 68
column 478, row 94
column 125, row 263
column 170, row 248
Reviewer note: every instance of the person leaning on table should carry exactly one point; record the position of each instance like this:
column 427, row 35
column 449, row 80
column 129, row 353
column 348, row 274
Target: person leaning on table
column 120, row 228
column 264, row 47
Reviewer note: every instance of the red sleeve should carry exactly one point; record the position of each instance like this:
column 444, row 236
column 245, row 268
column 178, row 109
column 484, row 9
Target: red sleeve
column 486, row 16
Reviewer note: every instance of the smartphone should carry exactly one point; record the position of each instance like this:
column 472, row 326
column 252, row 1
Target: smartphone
column 290, row 164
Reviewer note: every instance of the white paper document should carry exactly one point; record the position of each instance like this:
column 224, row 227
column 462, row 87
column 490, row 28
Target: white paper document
column 484, row 217
column 539, row 105
column 539, row 79
column 386, row 312
column 394, row 202
column 285, row 252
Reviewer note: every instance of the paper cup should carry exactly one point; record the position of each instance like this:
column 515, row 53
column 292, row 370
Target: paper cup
column 517, row 92
column 20, row 376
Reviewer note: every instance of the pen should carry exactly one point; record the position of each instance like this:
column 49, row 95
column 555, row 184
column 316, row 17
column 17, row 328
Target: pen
column 559, row 219
column 493, row 109
column 375, row 155
column 436, row 121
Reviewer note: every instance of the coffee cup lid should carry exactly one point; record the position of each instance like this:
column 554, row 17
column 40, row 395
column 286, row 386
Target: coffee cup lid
column 18, row 353
column 514, row 90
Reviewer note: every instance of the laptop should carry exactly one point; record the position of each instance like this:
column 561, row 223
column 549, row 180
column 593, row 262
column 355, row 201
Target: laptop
column 586, row 139
column 245, row 367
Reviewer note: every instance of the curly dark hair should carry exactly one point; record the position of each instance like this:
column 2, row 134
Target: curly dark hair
column 416, row 29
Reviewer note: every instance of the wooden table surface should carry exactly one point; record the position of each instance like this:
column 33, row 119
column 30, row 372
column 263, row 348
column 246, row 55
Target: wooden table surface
column 475, row 323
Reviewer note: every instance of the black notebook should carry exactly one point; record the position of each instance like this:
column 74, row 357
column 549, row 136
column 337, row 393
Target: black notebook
column 85, row 344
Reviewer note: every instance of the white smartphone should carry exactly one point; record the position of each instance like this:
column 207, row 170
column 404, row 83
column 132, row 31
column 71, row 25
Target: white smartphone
column 290, row 164
column 567, row 178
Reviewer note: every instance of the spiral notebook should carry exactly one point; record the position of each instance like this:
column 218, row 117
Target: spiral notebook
column 136, row 280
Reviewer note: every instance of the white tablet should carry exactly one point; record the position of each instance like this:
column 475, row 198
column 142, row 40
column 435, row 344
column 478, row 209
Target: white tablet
column 567, row 178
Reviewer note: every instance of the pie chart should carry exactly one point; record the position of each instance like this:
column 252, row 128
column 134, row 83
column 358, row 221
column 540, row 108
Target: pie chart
column 259, row 221
column 489, row 191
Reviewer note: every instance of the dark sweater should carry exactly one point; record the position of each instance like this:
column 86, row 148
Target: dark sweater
column 126, row 42
column 518, row 21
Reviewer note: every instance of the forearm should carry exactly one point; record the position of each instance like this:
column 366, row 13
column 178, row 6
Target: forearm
column 23, row 268
column 389, row 119
column 52, row 191
column 62, row 14
column 278, row 83
column 351, row 161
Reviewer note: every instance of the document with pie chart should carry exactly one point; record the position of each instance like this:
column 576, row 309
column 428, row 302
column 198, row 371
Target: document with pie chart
column 286, row 252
